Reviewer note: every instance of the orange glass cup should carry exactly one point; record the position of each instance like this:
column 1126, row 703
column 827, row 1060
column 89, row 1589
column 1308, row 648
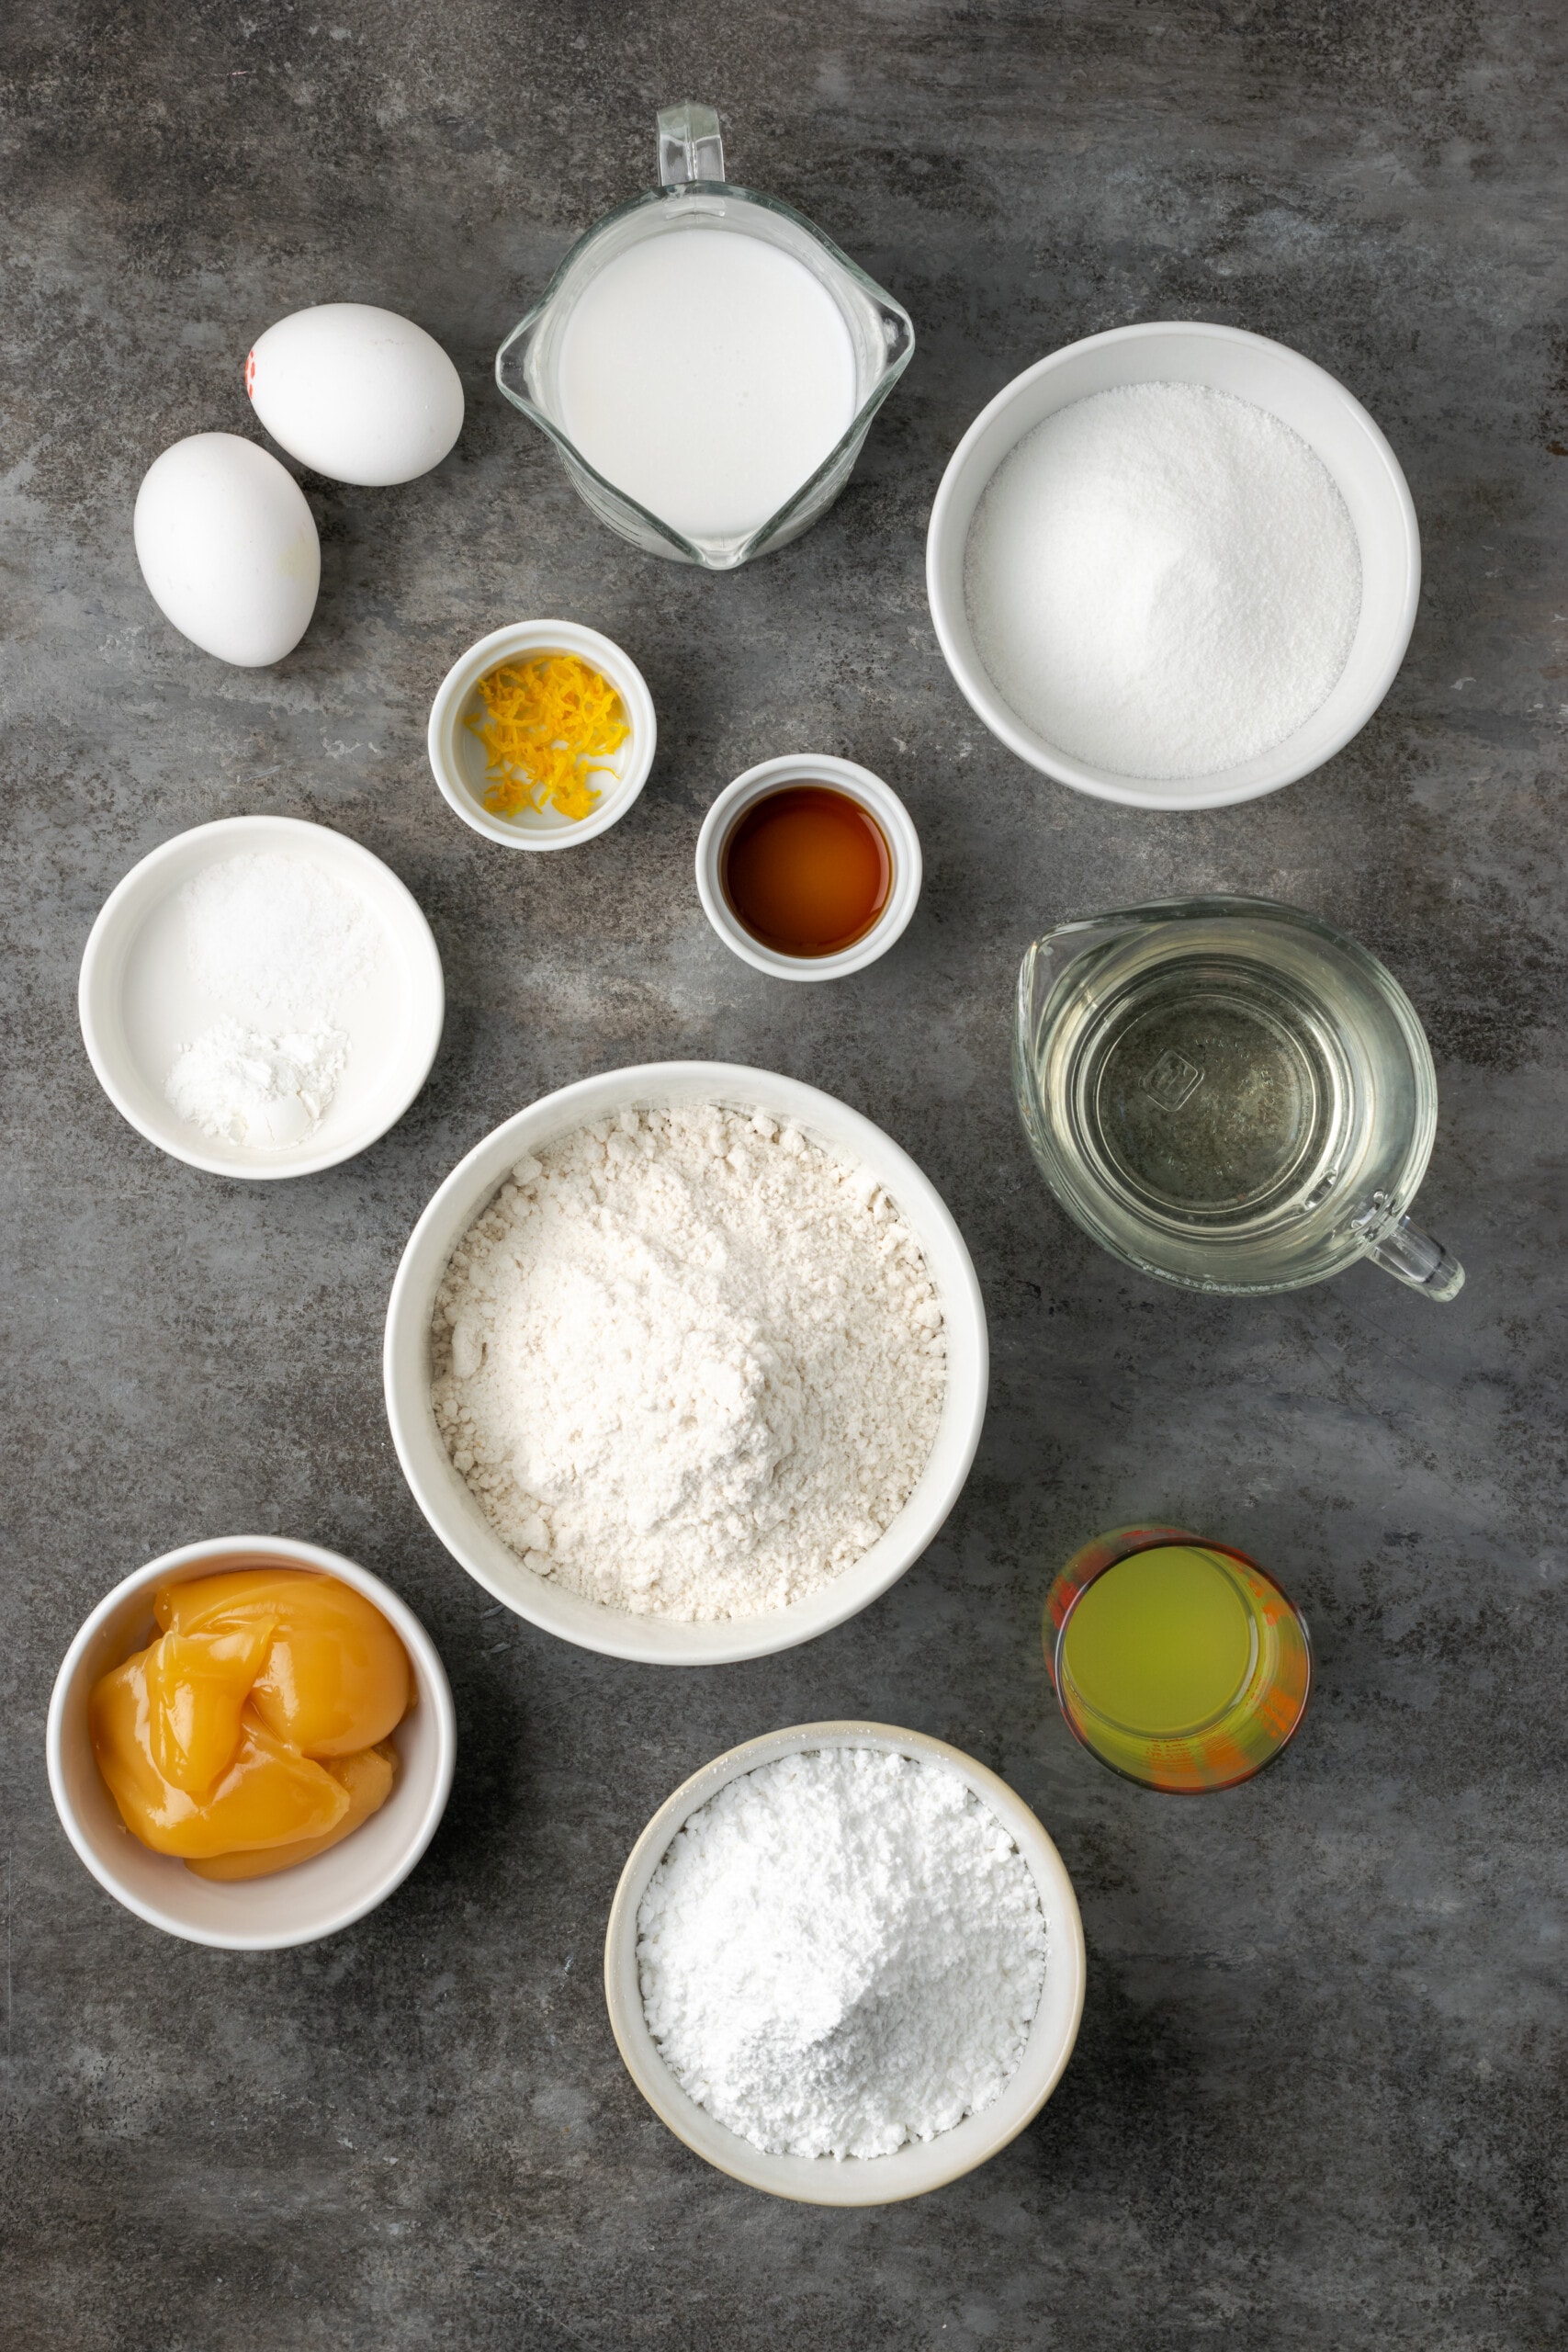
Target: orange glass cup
column 1251, row 1715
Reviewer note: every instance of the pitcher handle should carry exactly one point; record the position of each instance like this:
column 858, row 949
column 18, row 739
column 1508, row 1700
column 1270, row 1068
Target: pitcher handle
column 1401, row 1250
column 689, row 147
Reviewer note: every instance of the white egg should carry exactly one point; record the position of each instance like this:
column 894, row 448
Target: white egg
column 355, row 393
column 229, row 547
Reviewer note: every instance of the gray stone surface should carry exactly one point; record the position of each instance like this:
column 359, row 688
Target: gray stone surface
column 1318, row 2096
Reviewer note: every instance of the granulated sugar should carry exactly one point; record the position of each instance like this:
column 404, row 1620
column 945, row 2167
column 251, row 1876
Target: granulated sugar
column 266, row 933
column 841, row 1951
column 1163, row 580
column 689, row 1365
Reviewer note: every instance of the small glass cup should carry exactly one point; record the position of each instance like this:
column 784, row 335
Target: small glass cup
column 1262, row 1659
column 694, row 194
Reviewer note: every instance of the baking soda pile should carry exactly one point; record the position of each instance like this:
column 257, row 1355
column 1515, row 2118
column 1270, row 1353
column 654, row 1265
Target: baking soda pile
column 689, row 1365
column 252, row 1088
column 841, row 1951
column 1163, row 580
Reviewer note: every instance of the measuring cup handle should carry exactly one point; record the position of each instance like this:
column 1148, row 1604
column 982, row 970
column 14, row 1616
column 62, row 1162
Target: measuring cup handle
column 689, row 145
column 1401, row 1250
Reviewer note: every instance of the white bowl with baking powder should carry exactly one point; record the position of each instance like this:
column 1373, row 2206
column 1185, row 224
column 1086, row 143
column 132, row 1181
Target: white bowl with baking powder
column 458, row 760
column 139, row 1003
column 1302, row 396
column 314, row 1898
column 439, row 1488
column 921, row 2165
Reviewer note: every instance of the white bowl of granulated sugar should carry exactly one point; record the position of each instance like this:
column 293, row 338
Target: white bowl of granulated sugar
column 1175, row 565
column 845, row 1964
column 687, row 1363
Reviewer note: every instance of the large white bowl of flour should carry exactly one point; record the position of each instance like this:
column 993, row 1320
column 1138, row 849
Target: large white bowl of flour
column 431, row 1465
column 989, row 465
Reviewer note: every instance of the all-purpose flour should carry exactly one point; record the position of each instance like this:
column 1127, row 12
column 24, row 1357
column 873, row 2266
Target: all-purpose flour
column 689, row 1365
column 841, row 1951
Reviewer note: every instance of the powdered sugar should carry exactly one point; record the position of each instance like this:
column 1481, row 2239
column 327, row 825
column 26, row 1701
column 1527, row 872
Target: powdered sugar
column 253, row 1089
column 1163, row 580
column 841, row 1951
column 689, row 1365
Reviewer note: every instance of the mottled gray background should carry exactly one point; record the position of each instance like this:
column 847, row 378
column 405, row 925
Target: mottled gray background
column 1318, row 2097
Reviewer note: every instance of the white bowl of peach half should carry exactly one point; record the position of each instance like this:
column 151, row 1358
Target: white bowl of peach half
column 251, row 1742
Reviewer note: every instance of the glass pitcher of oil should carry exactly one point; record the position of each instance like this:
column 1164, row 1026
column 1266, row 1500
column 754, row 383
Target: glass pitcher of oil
column 1229, row 1094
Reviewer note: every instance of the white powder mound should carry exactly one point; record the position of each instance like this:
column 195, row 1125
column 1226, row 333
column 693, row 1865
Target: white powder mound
column 270, row 934
column 689, row 1365
column 235, row 1083
column 841, row 1951
column 1163, row 580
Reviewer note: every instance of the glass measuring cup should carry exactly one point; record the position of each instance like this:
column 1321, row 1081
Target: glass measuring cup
column 694, row 194
column 1229, row 1094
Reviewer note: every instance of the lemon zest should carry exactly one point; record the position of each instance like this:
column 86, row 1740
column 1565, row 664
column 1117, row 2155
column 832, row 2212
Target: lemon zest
column 549, row 725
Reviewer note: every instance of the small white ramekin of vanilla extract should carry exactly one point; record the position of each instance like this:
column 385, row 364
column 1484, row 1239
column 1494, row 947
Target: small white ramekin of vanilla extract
column 808, row 867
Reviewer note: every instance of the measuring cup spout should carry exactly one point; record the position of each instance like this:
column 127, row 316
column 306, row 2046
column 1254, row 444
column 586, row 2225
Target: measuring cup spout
column 1401, row 1250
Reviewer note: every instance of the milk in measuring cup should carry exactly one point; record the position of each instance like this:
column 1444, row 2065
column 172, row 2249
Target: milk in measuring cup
column 707, row 375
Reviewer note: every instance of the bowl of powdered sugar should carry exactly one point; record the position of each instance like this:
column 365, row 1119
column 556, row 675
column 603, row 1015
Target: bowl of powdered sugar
column 1174, row 566
column 845, row 1963
column 687, row 1363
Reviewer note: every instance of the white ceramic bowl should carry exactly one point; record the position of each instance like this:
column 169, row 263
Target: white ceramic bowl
column 445, row 1500
column 458, row 757
column 139, row 1003
column 1274, row 378
column 295, row 1907
column 921, row 2165
column 859, row 783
